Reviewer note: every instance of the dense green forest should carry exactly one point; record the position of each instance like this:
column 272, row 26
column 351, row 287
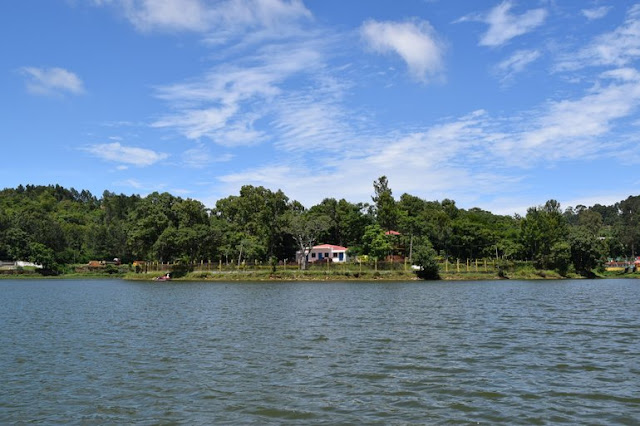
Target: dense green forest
column 55, row 226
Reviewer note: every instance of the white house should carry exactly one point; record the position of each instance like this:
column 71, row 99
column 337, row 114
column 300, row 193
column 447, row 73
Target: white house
column 325, row 251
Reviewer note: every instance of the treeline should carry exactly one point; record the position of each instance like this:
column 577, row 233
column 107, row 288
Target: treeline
column 54, row 226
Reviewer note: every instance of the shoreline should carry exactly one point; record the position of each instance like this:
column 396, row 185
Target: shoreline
column 319, row 276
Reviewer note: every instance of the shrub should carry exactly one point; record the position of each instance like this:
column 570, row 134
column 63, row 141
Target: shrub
column 425, row 258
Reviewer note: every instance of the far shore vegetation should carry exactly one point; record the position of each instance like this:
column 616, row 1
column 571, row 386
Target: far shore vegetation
column 260, row 235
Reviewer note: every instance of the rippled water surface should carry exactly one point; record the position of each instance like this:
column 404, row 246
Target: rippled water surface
column 366, row 353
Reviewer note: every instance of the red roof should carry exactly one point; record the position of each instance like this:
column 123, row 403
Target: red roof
column 331, row 246
column 392, row 233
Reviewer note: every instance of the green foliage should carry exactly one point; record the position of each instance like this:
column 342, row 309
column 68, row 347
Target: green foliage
column 58, row 226
column 111, row 269
column 385, row 206
column 375, row 243
column 560, row 257
column 346, row 221
column 587, row 250
column 181, row 268
column 425, row 258
column 542, row 229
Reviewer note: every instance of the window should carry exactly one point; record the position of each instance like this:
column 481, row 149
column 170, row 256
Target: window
column 335, row 254
column 313, row 255
column 326, row 255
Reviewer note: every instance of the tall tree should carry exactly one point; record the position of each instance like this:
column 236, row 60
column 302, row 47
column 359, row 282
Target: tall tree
column 347, row 221
column 629, row 232
column 385, row 205
column 305, row 227
column 541, row 229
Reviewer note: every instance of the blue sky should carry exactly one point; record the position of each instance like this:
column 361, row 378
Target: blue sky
column 495, row 104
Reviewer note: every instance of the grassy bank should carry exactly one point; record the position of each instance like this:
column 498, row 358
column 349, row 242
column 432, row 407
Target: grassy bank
column 526, row 272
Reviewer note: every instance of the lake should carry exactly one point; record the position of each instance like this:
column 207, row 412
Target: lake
column 493, row 352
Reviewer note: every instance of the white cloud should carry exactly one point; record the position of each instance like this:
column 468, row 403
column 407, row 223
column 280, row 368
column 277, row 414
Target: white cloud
column 118, row 153
column 415, row 42
column 200, row 157
column 312, row 121
column 52, row 81
column 144, row 187
column 133, row 183
column 195, row 123
column 617, row 48
column 504, row 26
column 596, row 12
column 571, row 129
column 516, row 63
column 225, row 104
column 147, row 15
column 430, row 163
column 221, row 16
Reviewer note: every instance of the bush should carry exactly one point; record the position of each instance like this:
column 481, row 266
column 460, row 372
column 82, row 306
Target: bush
column 425, row 258
column 560, row 258
column 111, row 269
column 181, row 268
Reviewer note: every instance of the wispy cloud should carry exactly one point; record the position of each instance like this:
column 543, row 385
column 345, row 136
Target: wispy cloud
column 224, row 17
column 115, row 152
column 435, row 160
column 617, row 48
column 313, row 120
column 416, row 42
column 144, row 187
column 503, row 25
column 596, row 12
column 201, row 156
column 572, row 129
column 52, row 81
column 516, row 63
column 225, row 104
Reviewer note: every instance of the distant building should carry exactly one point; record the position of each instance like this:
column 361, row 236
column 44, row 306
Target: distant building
column 323, row 252
column 13, row 265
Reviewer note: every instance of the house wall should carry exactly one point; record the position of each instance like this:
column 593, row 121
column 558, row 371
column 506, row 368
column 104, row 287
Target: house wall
column 319, row 254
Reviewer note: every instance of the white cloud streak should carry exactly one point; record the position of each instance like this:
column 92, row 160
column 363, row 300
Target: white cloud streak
column 416, row 42
column 200, row 157
column 115, row 152
column 221, row 16
column 504, row 26
column 225, row 104
column 572, row 129
column 516, row 63
column 596, row 12
column 618, row 48
column 52, row 81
